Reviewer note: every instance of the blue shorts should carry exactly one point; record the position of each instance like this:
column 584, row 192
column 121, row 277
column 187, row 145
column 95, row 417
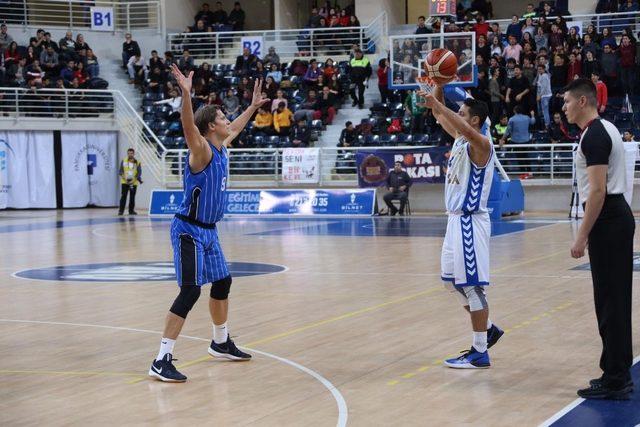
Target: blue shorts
column 197, row 254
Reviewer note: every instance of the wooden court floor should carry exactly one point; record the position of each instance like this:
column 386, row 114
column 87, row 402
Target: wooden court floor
column 352, row 330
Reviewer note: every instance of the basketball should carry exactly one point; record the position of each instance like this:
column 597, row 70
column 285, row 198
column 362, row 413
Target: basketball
column 441, row 65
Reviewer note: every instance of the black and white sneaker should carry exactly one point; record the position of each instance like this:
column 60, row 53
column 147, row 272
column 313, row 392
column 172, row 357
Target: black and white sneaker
column 228, row 350
column 165, row 371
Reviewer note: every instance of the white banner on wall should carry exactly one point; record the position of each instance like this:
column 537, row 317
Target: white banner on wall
column 301, row 165
column 102, row 167
column 89, row 169
column 42, row 176
column 75, row 176
column 27, row 177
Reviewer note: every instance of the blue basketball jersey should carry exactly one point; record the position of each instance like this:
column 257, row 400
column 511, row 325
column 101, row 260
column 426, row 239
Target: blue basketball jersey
column 204, row 192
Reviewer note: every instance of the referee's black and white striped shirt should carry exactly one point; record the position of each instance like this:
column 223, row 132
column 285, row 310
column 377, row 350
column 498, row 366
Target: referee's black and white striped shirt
column 601, row 144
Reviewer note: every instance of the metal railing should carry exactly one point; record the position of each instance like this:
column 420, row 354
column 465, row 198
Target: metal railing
column 77, row 13
column 543, row 164
column 616, row 22
column 85, row 106
column 65, row 104
column 224, row 47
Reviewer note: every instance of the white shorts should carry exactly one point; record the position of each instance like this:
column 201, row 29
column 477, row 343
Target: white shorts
column 465, row 250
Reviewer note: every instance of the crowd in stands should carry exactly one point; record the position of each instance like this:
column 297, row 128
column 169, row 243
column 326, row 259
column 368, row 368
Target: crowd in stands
column 522, row 73
column 305, row 95
column 44, row 63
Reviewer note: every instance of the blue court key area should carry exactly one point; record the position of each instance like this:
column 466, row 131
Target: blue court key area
column 134, row 271
column 606, row 413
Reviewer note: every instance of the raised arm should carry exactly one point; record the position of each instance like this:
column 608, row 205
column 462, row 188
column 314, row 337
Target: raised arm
column 197, row 144
column 241, row 121
column 480, row 144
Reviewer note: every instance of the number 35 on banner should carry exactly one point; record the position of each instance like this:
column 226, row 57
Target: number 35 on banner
column 102, row 19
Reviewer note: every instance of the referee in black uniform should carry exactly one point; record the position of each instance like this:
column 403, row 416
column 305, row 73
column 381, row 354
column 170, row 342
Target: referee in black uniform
column 607, row 228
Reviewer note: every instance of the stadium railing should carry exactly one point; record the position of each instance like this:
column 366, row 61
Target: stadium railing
column 616, row 22
column 76, row 13
column 224, row 47
column 84, row 106
column 537, row 164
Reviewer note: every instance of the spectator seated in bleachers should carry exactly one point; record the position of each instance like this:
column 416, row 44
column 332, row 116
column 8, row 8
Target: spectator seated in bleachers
column 231, row 105
column 237, row 17
column 300, row 134
column 282, row 120
column 175, row 104
column 272, row 58
column 244, row 63
column 137, row 69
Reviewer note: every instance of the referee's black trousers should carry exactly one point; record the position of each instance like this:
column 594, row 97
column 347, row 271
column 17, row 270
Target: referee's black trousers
column 611, row 257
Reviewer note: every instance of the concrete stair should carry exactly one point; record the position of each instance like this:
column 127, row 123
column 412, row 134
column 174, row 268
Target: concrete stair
column 329, row 137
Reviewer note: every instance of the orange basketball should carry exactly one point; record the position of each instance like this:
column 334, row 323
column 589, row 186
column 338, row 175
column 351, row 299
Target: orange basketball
column 441, row 65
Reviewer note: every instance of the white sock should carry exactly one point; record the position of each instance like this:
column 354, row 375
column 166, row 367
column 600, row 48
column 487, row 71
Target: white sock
column 489, row 324
column 166, row 347
column 220, row 333
column 480, row 341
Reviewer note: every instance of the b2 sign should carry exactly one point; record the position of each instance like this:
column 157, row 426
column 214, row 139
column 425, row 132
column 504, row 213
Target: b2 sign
column 102, row 19
column 254, row 44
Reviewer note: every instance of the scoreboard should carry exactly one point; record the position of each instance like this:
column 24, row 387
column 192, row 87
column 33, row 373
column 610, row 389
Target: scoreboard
column 442, row 7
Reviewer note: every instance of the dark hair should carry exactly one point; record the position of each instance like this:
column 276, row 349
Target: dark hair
column 518, row 67
column 349, row 123
column 397, row 162
column 583, row 87
column 421, row 17
column 281, row 104
column 131, row 149
column 517, row 109
column 595, row 73
column 478, row 109
column 204, row 116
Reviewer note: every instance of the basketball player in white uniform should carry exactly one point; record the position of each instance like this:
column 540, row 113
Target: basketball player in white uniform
column 465, row 251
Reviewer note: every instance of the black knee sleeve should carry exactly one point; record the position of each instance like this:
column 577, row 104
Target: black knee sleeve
column 185, row 300
column 220, row 288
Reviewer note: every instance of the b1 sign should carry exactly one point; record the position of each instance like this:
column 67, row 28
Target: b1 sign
column 102, row 18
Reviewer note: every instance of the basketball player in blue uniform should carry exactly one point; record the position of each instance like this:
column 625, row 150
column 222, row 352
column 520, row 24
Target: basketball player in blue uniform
column 465, row 250
column 197, row 254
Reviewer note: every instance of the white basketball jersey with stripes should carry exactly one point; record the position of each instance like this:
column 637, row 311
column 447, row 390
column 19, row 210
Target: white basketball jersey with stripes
column 465, row 250
column 467, row 186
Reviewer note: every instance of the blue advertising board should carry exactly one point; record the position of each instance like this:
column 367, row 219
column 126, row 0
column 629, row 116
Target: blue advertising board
column 424, row 165
column 360, row 202
column 165, row 202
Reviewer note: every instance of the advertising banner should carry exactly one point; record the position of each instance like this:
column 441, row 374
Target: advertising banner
column 424, row 165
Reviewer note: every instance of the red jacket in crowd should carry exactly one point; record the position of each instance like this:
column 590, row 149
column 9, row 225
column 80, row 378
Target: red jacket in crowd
column 602, row 95
column 383, row 76
column 574, row 70
column 627, row 55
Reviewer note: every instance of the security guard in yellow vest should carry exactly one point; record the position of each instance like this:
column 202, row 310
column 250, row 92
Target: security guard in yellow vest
column 359, row 75
column 130, row 174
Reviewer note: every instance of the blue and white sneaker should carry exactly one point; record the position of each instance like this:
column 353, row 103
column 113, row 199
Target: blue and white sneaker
column 493, row 335
column 471, row 359
column 165, row 371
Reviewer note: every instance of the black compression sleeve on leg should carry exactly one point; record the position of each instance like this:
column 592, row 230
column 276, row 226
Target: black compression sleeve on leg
column 220, row 288
column 185, row 300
